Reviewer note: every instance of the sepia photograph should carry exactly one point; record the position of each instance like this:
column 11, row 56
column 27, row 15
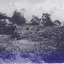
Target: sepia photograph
column 31, row 31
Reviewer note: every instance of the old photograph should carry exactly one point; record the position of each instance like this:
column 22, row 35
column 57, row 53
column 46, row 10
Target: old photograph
column 31, row 31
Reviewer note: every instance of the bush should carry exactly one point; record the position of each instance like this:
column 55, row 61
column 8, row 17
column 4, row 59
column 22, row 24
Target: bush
column 18, row 19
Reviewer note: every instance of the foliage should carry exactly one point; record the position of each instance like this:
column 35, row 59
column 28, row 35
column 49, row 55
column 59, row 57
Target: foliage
column 35, row 20
column 46, row 19
column 18, row 19
column 52, row 38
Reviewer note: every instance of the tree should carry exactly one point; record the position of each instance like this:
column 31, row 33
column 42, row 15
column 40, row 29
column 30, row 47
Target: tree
column 46, row 19
column 18, row 18
column 35, row 20
column 4, row 16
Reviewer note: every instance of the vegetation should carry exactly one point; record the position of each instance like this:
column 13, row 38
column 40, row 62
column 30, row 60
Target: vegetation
column 39, row 35
column 46, row 19
column 49, row 35
column 17, row 18
column 35, row 20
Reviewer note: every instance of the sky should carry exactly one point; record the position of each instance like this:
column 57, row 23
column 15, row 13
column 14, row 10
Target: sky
column 34, row 7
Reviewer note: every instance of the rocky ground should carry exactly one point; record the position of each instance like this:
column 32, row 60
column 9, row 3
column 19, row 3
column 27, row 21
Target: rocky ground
column 19, row 49
column 34, row 48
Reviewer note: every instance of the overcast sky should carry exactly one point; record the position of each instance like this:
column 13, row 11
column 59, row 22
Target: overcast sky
column 34, row 7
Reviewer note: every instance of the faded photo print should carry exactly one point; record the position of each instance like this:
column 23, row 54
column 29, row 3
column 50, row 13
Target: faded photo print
column 31, row 31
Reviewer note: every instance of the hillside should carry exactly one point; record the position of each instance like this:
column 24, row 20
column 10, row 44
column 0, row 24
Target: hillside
column 43, row 41
column 41, row 38
column 38, row 40
column 50, row 36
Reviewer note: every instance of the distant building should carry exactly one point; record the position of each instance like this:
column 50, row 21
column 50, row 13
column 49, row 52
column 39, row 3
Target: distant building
column 57, row 23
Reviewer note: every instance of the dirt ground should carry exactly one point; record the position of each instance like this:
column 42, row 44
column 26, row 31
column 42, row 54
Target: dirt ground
column 17, row 46
column 22, row 45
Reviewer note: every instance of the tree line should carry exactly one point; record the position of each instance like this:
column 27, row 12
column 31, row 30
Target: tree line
column 19, row 19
